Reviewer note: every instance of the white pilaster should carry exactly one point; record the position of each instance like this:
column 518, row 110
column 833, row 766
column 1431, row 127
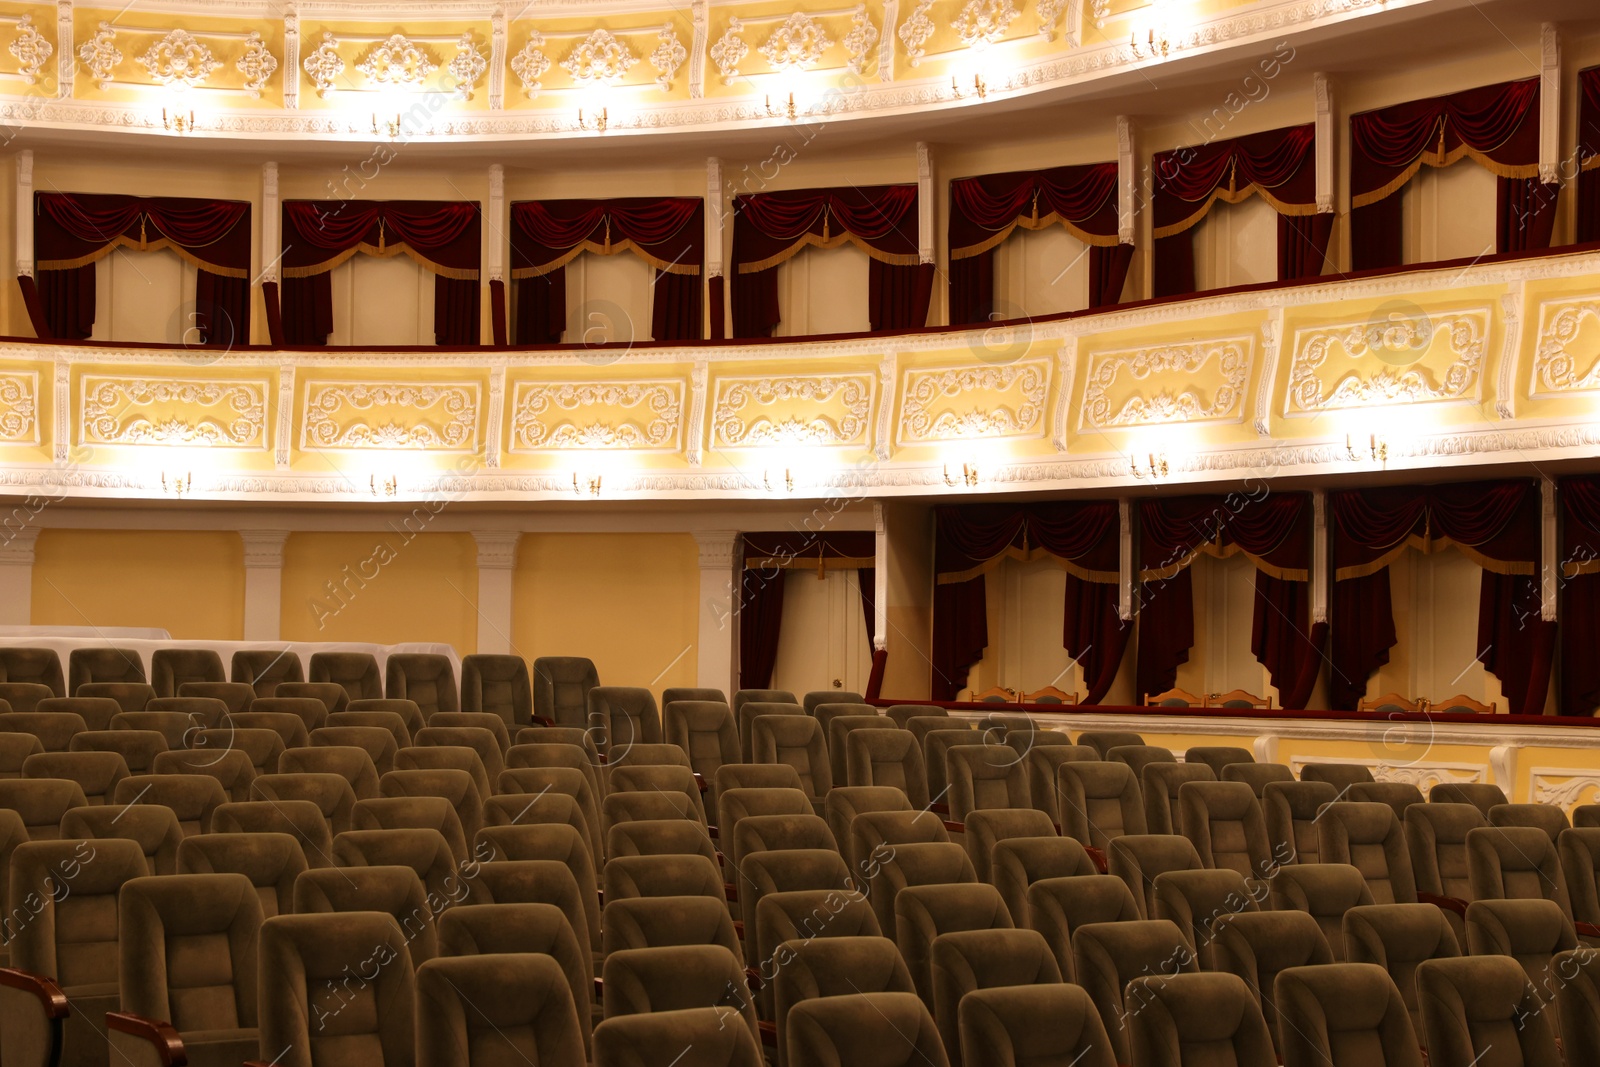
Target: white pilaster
column 925, row 234
column 497, row 559
column 719, row 623
column 263, row 583
column 1550, row 565
column 16, row 574
column 1326, row 141
column 716, row 206
column 271, row 223
column 1125, row 559
column 1319, row 555
column 880, row 579
column 25, row 213
column 496, row 246
column 1549, row 103
column 291, row 56
column 1127, row 192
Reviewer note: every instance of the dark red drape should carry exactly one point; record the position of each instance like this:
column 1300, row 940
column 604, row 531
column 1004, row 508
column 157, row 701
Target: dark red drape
column 866, row 581
column 666, row 232
column 72, row 230
column 456, row 311
column 306, row 306
column 971, row 289
column 1108, row 272
column 444, row 235
column 1579, row 497
column 1303, row 245
column 1497, row 125
column 767, row 560
column 1275, row 531
column 768, row 228
column 971, row 539
column 1525, row 214
column 1172, row 265
column 1589, row 155
column 760, row 624
column 541, row 309
column 897, row 297
column 1494, row 523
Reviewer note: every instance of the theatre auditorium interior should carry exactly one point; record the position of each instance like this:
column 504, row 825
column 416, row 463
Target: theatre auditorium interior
column 900, row 533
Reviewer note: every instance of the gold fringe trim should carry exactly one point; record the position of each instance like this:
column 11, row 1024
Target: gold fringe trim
column 1428, row 545
column 382, row 250
column 1043, row 222
column 1029, row 555
column 124, row 241
column 1232, row 196
column 1592, row 163
column 1435, row 158
column 1211, row 548
column 825, row 241
column 809, row 563
column 608, row 249
column 1583, row 566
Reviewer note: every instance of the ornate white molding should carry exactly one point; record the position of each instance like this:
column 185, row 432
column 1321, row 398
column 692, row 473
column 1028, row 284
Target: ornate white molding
column 497, row 58
column 859, row 41
column 291, row 57
column 179, row 61
column 1125, row 576
column 887, row 370
column 19, row 407
column 1271, row 337
column 497, row 549
column 1549, row 557
column 214, row 413
column 24, row 213
column 530, row 64
column 1173, row 402
column 891, row 25
column 599, row 59
column 31, row 49
column 398, row 62
column 1549, row 103
column 984, row 20
column 699, row 379
column 101, row 55
column 1327, row 141
column 1127, row 181
column 915, row 31
column 263, row 549
column 668, row 56
column 1505, row 399
column 741, row 417
column 1319, row 555
column 700, row 12
column 257, row 64
column 338, row 415
column 729, row 51
column 285, row 416
column 797, row 43
column 1067, row 376
column 1563, row 787
column 952, row 403
column 1399, row 343
column 720, row 550
column 66, row 55
column 324, row 65
column 926, row 237
column 643, row 416
column 1556, row 370
column 467, row 66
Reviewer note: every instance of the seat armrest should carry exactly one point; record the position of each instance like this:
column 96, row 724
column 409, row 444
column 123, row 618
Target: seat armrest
column 769, row 1033
column 161, row 1036
column 955, row 827
column 542, row 720
column 50, row 995
column 1587, row 929
column 939, row 808
column 1454, row 904
column 700, row 781
column 1098, row 857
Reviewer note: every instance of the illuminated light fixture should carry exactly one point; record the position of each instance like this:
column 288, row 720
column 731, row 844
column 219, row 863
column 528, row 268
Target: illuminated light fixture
column 788, row 480
column 1155, row 466
column 1156, row 44
column 980, row 88
column 592, row 480
column 1377, row 449
column 178, row 123
column 176, row 485
column 392, row 126
column 599, row 124
column 969, row 476
column 788, row 109
column 388, row 487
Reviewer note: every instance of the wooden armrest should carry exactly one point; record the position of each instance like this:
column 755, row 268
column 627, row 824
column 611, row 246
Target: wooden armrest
column 955, row 827
column 49, row 994
column 1447, row 903
column 599, row 989
column 752, row 978
column 168, row 1045
column 1098, row 857
column 542, row 720
column 700, row 780
column 769, row 1033
column 712, row 831
column 730, row 891
column 939, row 808
column 1587, row 929
column 738, row 928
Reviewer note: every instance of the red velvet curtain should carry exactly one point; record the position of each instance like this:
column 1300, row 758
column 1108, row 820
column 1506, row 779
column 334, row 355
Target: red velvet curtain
column 769, row 228
column 541, row 309
column 1497, row 125
column 767, row 560
column 1275, row 531
column 1496, row 524
column 1589, row 155
column 1580, row 594
column 985, row 210
column 73, row 230
column 666, row 232
column 1278, row 165
column 445, row 237
column 897, row 297
column 1108, row 272
column 970, row 540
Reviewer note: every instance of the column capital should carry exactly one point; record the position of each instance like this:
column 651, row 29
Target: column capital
column 719, row 549
column 497, row 549
column 16, row 546
column 263, row 548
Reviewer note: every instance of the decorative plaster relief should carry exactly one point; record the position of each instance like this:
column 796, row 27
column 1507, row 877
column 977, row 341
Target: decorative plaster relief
column 1200, row 382
column 821, row 409
column 640, row 416
column 442, row 416
column 19, row 407
column 1566, row 358
column 1410, row 357
column 951, row 403
column 129, row 410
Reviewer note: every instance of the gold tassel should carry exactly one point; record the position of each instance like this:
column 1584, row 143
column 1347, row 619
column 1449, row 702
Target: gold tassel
column 1233, row 175
column 1442, row 120
column 608, row 235
column 380, row 234
column 1036, row 204
column 142, row 241
column 825, row 216
column 822, row 565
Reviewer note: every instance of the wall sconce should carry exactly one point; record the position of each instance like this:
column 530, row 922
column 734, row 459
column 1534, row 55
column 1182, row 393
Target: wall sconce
column 969, row 476
column 174, row 484
column 388, row 487
column 788, row 109
column 980, row 88
column 788, row 481
column 392, row 126
column 1155, row 46
column 592, row 481
column 1156, row 466
column 599, row 124
column 1377, row 449
column 178, row 123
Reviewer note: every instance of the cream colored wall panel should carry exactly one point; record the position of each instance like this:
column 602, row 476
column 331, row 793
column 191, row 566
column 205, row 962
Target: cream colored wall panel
column 1205, row 381
column 173, row 410
column 1040, row 272
column 144, row 296
column 608, row 299
column 792, row 410
column 634, row 415
column 1224, row 609
column 823, row 291
column 381, row 301
column 439, row 416
column 1566, row 356
column 1449, row 213
column 1029, row 647
column 19, row 407
column 823, row 638
column 1236, row 244
column 974, row 401
column 1435, row 604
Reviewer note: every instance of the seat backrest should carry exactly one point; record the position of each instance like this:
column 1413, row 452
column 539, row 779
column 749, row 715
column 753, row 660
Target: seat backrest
column 892, row 758
column 904, row 713
column 428, row 678
column 829, row 1031
column 623, row 716
column 1515, row 863
column 16, row 748
column 1224, row 821
column 561, row 687
column 410, row 715
column 497, row 1009
column 923, row 912
column 1291, row 810
column 330, row 793
column 96, row 712
column 192, row 797
column 27, row 696
column 456, row 786
column 231, row 769
column 1397, row 937
column 985, row 776
column 394, row 889
column 1257, row 945
column 1010, row 1026
column 627, row 877
column 1138, row 859
column 832, row 967
column 987, row 827
column 1103, row 741
column 936, row 744
column 1109, row 955
column 333, row 697
column 805, row 915
column 746, row 714
column 1579, row 848
column 1471, row 1005
column 651, row 922
column 645, row 837
column 1041, row 762
column 263, row 668
column 1398, row 795
column 492, row 929
column 1533, row 931
column 968, row 960
column 41, row 666
column 97, row 773
column 1058, row 906
column 237, row 696
column 1343, row 1013
column 838, row 722
column 844, row 803
column 424, row 851
column 1339, row 775
column 1218, row 757
column 499, row 684
column 796, row 740
column 1578, row 1004
column 1482, row 795
column 632, row 1040
column 1368, row 837
column 1547, row 817
column 102, row 665
column 63, row 918
column 1436, row 835
column 1256, row 775
column 1195, row 900
column 705, row 730
column 271, row 861
column 172, row 667
column 1017, row 862
column 54, row 729
column 356, row 672
column 1184, row 1017
column 153, row 828
column 417, row 813
column 350, row 762
column 309, row 1005
column 629, row 778
column 1138, row 757
column 642, row 981
column 1099, row 801
column 1160, row 783
column 1324, row 891
column 263, row 748
column 445, row 758
column 876, row 835
column 138, row 748
column 41, row 802
column 920, row 863
column 188, row 950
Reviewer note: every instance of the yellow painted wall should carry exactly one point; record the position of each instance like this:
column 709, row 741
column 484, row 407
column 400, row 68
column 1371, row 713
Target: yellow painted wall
column 381, row 588
column 626, row 601
column 190, row 584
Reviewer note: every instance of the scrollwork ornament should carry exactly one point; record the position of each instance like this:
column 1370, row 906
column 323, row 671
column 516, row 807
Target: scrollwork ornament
column 179, row 61
column 530, row 64
column 600, row 59
column 467, row 66
column 399, row 62
column 915, row 31
column 984, row 20
column 859, row 41
column 730, row 50
column 257, row 64
column 668, row 56
column 324, row 65
column 31, row 50
column 797, row 43
column 101, row 55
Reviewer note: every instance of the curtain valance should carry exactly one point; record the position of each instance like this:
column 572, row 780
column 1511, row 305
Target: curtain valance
column 985, row 210
column 443, row 236
column 1278, row 165
column 1495, row 524
column 770, row 228
column 666, row 232
column 75, row 229
column 1272, row 530
column 803, row 550
column 1497, row 125
column 971, row 540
